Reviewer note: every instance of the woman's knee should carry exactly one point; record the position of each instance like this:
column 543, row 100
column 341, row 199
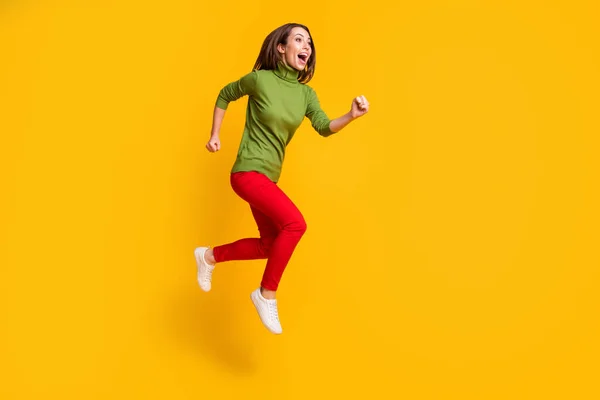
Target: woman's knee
column 297, row 226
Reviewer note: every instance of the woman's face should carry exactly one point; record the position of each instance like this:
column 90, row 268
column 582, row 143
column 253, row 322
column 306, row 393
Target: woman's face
column 297, row 51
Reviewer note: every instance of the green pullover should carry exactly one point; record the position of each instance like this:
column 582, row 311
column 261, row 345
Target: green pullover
column 277, row 105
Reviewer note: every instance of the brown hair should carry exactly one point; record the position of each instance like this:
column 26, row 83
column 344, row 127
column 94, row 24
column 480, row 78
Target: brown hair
column 269, row 56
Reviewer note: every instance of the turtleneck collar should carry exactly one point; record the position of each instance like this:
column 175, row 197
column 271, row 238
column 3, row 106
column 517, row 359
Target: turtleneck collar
column 286, row 72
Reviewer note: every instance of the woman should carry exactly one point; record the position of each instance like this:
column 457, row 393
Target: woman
column 278, row 100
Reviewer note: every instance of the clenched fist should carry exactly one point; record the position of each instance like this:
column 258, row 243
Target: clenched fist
column 214, row 144
column 360, row 106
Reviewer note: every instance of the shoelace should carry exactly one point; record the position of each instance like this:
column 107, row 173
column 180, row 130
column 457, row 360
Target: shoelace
column 273, row 311
column 209, row 270
column 208, row 274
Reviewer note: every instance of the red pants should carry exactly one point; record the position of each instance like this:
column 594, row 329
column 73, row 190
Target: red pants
column 280, row 225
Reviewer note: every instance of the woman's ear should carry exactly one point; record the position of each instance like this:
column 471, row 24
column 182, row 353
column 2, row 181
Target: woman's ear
column 280, row 48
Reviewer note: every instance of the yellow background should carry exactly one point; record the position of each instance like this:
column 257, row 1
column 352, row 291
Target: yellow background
column 452, row 243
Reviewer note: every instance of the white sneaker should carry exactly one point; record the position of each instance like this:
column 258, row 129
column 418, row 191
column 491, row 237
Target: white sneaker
column 267, row 310
column 205, row 270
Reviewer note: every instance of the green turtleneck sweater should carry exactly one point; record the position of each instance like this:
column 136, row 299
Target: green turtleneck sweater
column 277, row 105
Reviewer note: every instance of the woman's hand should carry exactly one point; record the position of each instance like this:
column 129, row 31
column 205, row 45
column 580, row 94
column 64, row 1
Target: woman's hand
column 360, row 106
column 214, row 144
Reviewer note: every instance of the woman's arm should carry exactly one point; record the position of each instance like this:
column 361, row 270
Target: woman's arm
column 360, row 106
column 325, row 126
column 214, row 144
column 231, row 92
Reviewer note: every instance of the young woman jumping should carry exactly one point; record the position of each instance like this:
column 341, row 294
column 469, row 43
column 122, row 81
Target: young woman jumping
column 278, row 100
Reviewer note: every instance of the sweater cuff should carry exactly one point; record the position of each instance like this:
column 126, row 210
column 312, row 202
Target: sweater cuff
column 222, row 104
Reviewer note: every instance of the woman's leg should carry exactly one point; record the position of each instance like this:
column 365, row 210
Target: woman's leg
column 281, row 226
column 271, row 202
column 268, row 200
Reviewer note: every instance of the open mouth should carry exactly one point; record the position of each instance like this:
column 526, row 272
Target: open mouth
column 303, row 57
